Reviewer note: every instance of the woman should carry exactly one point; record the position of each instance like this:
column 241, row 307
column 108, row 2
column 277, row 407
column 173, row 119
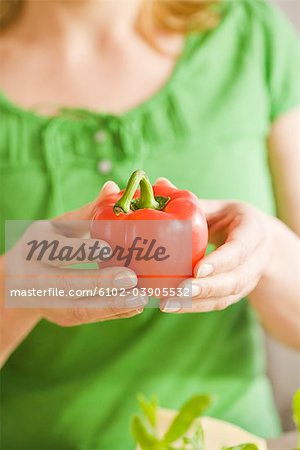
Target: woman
column 207, row 96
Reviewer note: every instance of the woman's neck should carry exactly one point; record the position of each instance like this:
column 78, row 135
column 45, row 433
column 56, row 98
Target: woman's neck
column 83, row 52
column 66, row 20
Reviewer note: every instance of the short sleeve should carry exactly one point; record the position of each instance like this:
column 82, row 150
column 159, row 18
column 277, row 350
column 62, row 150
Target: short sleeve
column 282, row 62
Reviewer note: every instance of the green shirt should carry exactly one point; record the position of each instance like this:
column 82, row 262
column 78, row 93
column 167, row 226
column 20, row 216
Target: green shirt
column 206, row 129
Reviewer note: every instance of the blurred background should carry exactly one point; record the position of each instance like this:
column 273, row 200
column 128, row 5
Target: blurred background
column 292, row 10
column 284, row 364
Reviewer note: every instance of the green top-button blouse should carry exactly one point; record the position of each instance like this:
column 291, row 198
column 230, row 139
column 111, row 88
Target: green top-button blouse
column 206, row 129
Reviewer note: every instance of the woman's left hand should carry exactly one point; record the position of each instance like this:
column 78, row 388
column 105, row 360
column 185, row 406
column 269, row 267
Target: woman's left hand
column 242, row 235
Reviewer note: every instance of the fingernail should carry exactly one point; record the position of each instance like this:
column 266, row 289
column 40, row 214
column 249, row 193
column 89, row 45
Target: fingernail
column 193, row 289
column 107, row 183
column 196, row 290
column 125, row 279
column 204, row 270
column 110, row 183
column 104, row 245
column 136, row 302
column 172, row 306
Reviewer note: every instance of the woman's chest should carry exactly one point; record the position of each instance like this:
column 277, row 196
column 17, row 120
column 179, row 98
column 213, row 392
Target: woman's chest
column 205, row 131
column 58, row 167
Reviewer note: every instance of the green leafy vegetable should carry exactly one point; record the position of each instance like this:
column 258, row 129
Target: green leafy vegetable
column 195, row 442
column 145, row 434
column 296, row 414
column 192, row 409
column 242, row 447
column 149, row 408
column 144, row 437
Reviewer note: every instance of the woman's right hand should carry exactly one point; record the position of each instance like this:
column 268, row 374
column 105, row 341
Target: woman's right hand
column 82, row 307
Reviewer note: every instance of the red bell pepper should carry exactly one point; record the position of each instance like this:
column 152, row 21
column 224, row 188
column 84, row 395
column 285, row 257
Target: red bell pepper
column 158, row 203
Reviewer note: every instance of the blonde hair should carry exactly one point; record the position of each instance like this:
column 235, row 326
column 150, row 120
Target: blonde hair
column 9, row 11
column 173, row 16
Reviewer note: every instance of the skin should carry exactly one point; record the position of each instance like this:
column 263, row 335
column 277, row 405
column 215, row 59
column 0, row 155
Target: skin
column 257, row 255
column 16, row 323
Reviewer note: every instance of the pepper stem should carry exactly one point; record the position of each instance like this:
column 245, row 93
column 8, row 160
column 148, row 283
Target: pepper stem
column 146, row 199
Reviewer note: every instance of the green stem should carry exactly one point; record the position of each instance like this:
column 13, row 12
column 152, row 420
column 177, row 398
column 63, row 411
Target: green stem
column 146, row 200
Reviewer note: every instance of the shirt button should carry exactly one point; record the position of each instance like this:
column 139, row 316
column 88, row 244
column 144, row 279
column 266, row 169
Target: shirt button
column 100, row 137
column 104, row 166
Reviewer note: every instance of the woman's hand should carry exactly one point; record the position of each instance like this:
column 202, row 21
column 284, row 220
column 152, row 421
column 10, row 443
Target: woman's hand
column 86, row 293
column 256, row 256
column 242, row 235
column 85, row 305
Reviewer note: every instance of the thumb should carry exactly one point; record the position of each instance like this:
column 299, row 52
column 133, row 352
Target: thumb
column 86, row 212
column 161, row 181
column 109, row 188
column 211, row 207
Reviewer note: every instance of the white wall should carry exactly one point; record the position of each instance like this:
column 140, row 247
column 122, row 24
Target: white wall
column 292, row 9
column 284, row 364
